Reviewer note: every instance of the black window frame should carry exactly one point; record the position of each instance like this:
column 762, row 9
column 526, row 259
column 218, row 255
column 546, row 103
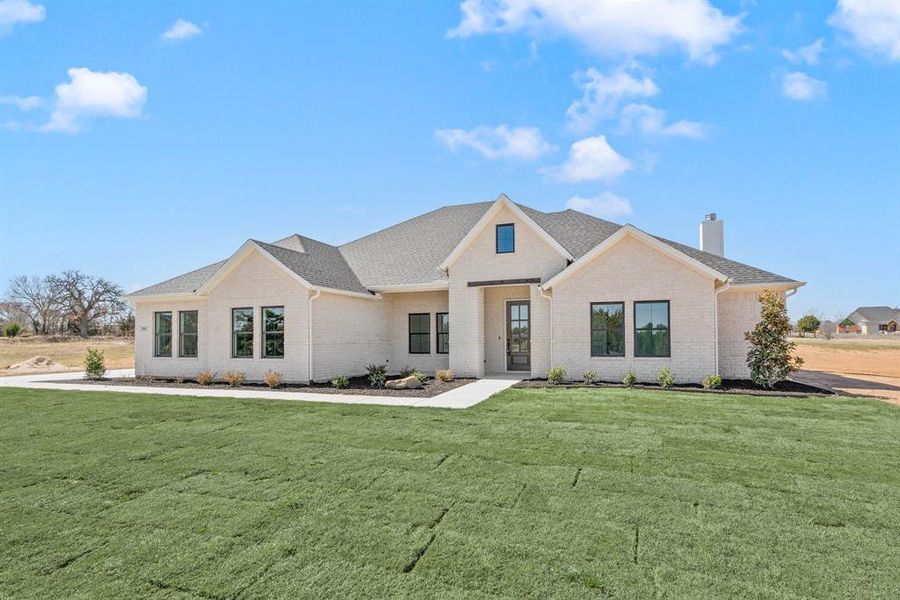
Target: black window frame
column 497, row 229
column 667, row 329
column 418, row 334
column 157, row 334
column 235, row 333
column 266, row 333
column 592, row 329
column 438, row 334
column 195, row 335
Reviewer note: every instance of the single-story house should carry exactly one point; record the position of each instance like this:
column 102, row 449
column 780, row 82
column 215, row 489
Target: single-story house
column 483, row 288
column 869, row 320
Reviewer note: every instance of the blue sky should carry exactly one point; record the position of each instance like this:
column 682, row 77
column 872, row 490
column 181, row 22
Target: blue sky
column 139, row 141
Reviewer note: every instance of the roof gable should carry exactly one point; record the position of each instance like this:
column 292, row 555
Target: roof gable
column 502, row 201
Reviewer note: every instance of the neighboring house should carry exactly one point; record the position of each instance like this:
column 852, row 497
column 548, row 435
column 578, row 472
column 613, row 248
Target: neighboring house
column 871, row 319
column 478, row 288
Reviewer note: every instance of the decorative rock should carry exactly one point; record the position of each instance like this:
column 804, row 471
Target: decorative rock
column 407, row 383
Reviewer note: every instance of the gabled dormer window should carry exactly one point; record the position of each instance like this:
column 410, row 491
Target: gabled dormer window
column 506, row 238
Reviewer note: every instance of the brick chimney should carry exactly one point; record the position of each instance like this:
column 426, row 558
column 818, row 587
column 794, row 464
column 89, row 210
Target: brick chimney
column 712, row 235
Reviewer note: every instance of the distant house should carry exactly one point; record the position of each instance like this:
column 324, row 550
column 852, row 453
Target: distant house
column 871, row 319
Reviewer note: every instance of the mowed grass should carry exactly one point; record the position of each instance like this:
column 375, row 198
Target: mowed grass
column 532, row 494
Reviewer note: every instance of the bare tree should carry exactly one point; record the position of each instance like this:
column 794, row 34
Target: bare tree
column 37, row 299
column 87, row 299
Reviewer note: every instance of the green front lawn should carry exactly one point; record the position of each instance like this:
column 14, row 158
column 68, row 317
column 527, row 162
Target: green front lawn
column 535, row 493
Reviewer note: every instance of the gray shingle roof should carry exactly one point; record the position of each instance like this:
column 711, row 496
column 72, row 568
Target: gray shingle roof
column 878, row 314
column 410, row 252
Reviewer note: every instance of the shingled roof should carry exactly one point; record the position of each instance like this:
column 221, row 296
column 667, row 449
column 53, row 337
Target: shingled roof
column 410, row 252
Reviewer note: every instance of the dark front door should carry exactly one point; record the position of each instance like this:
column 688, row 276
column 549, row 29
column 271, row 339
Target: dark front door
column 518, row 335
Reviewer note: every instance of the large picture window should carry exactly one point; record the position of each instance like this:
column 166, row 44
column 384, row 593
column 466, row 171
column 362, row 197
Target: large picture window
column 187, row 333
column 442, row 328
column 162, row 334
column 419, row 333
column 506, row 238
column 607, row 329
column 273, row 331
column 242, row 332
column 651, row 329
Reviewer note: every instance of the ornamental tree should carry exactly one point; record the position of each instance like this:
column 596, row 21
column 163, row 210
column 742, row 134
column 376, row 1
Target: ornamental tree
column 808, row 324
column 771, row 356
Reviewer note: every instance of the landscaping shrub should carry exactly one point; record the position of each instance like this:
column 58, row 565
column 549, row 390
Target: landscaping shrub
column 340, row 382
column 771, row 358
column 205, row 377
column 630, row 379
column 407, row 371
column 665, row 378
column 712, row 382
column 12, row 330
column 444, row 375
column 234, row 378
column 556, row 375
column 589, row 377
column 94, row 364
column 422, row 377
column 273, row 379
column 373, row 368
column 376, row 379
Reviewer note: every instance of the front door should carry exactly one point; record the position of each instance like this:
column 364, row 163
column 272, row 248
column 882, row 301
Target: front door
column 518, row 335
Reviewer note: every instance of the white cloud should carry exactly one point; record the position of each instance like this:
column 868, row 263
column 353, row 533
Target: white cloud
column 524, row 143
column 14, row 12
column 22, row 103
column 601, row 95
column 802, row 87
column 652, row 121
column 605, row 205
column 180, row 30
column 608, row 27
column 873, row 25
column 590, row 159
column 807, row 54
column 95, row 94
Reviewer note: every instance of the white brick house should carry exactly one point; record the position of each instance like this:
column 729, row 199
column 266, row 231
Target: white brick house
column 524, row 291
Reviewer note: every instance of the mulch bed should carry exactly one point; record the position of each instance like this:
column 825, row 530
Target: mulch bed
column 359, row 386
column 729, row 386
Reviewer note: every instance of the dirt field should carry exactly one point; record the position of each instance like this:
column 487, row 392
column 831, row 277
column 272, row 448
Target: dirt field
column 864, row 366
column 69, row 351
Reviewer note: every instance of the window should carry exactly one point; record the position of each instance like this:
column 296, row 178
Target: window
column 273, row 332
column 242, row 333
column 442, row 327
column 162, row 334
column 651, row 328
column 506, row 238
column 187, row 334
column 607, row 329
column 419, row 333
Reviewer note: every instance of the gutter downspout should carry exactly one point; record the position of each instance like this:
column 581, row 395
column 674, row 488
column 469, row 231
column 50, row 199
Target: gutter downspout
column 309, row 331
column 550, row 299
column 716, row 311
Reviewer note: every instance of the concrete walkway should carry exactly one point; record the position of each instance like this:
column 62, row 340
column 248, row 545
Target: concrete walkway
column 461, row 397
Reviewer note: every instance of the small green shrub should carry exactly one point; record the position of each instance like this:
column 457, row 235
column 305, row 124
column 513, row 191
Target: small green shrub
column 556, row 375
column 373, row 369
column 665, row 378
column 422, row 377
column 589, row 377
column 444, row 375
column 94, row 364
column 205, row 377
column 407, row 371
column 234, row 378
column 712, row 382
column 341, row 382
column 376, row 379
column 630, row 379
column 12, row 330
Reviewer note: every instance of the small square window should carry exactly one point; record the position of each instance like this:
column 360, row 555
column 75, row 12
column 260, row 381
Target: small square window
column 506, row 238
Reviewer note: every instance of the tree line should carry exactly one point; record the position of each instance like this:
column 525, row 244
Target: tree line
column 66, row 303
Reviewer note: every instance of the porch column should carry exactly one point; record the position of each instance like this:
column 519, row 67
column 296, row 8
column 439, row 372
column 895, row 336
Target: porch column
column 466, row 330
column 540, row 333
